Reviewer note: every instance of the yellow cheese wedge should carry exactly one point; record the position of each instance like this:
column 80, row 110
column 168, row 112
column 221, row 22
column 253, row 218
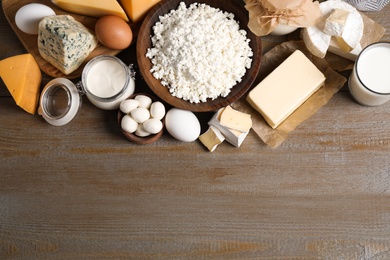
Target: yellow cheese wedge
column 137, row 9
column 22, row 76
column 286, row 88
column 94, row 8
column 236, row 120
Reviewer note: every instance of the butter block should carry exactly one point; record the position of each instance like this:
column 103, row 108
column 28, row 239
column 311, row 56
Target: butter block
column 212, row 138
column 95, row 8
column 137, row 9
column 286, row 88
column 64, row 42
column 22, row 76
column 336, row 22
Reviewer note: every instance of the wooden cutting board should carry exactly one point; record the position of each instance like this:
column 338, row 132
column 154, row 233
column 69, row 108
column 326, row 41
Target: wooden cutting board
column 10, row 7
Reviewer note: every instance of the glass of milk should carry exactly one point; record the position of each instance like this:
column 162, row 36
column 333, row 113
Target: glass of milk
column 369, row 82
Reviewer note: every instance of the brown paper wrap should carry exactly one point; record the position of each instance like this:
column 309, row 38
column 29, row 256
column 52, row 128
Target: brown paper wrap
column 272, row 59
column 265, row 15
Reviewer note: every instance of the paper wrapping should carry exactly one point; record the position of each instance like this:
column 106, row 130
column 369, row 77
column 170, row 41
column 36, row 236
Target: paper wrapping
column 265, row 15
column 272, row 59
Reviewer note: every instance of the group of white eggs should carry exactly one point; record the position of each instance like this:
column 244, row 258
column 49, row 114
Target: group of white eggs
column 143, row 117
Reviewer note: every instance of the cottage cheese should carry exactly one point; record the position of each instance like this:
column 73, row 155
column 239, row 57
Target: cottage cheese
column 199, row 52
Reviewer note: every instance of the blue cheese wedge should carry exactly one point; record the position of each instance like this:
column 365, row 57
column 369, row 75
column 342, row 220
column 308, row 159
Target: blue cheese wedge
column 64, row 42
column 278, row 95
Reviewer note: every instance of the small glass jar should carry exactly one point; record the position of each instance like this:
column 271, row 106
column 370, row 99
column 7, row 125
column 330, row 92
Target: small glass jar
column 105, row 80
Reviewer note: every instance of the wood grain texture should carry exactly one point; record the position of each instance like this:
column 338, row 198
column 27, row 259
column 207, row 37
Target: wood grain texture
column 82, row 191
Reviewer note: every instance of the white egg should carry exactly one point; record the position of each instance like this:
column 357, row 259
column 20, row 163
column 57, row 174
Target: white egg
column 144, row 101
column 157, row 110
column 140, row 114
column 27, row 18
column 128, row 105
column 141, row 131
column 182, row 125
column 128, row 124
column 152, row 125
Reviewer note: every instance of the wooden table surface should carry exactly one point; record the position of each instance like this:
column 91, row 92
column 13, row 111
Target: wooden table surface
column 83, row 191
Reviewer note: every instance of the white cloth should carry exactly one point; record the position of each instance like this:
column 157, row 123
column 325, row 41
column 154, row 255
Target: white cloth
column 368, row 5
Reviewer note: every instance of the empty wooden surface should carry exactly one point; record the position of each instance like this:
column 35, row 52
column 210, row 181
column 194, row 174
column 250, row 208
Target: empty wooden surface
column 82, row 191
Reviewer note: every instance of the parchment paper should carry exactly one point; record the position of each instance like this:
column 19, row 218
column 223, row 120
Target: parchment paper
column 265, row 15
column 334, row 82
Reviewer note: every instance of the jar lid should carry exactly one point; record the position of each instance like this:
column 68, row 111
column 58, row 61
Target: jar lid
column 59, row 102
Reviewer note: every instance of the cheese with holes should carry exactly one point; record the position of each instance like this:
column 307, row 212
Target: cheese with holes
column 22, row 76
column 137, row 9
column 235, row 120
column 316, row 38
column 64, row 42
column 95, row 8
column 286, row 88
column 211, row 138
column 233, row 136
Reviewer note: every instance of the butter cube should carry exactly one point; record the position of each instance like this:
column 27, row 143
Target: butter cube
column 286, row 88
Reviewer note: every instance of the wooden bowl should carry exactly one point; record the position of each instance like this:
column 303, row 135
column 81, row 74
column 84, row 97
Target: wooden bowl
column 133, row 137
column 144, row 63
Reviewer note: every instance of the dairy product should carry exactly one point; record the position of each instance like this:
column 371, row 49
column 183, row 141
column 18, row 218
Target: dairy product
column 106, row 78
column 199, row 53
column 286, row 88
column 348, row 29
column 22, row 76
column 64, row 42
column 237, row 131
column 95, row 8
column 212, row 138
column 137, row 9
column 107, row 81
column 335, row 23
column 235, row 120
column 369, row 82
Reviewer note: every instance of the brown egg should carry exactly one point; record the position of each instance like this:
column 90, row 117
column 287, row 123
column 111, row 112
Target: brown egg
column 113, row 32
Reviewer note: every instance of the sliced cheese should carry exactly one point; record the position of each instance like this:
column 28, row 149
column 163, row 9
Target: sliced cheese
column 22, row 76
column 234, row 137
column 212, row 138
column 286, row 88
column 335, row 23
column 317, row 41
column 137, row 9
column 235, row 120
column 335, row 48
column 95, row 8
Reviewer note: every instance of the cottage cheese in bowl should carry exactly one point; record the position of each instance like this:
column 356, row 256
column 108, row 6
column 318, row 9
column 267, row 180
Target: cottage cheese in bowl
column 199, row 52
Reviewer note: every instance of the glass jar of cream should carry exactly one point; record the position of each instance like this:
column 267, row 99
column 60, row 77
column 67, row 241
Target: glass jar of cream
column 105, row 80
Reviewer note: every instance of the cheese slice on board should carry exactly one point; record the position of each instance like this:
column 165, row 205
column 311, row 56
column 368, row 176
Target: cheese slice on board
column 95, row 8
column 22, row 76
column 286, row 88
column 137, row 9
